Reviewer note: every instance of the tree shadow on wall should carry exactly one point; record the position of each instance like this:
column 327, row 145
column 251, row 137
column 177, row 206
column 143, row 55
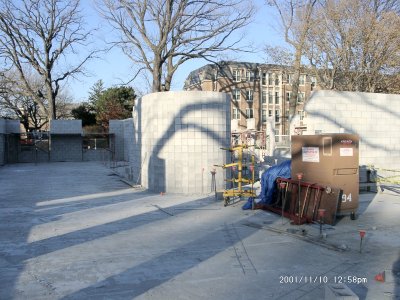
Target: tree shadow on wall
column 157, row 177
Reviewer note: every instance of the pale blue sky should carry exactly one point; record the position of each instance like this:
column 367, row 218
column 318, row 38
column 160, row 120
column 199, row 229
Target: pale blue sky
column 115, row 68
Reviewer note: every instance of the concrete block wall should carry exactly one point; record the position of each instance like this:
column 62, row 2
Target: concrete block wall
column 128, row 139
column 181, row 134
column 7, row 127
column 2, row 141
column 66, row 147
column 116, row 127
column 2, row 149
column 13, row 126
column 374, row 117
column 66, row 140
column 2, row 126
column 66, row 126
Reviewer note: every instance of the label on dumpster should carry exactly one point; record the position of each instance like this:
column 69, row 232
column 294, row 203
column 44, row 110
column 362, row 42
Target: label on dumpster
column 346, row 151
column 310, row 154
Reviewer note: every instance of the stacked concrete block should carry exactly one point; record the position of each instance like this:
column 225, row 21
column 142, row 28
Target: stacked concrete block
column 374, row 117
column 128, row 139
column 66, row 140
column 2, row 141
column 66, row 127
column 180, row 136
column 116, row 127
column 13, row 126
column 9, row 134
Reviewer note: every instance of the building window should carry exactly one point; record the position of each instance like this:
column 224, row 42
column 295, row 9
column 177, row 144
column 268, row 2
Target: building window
column 249, row 95
column 270, row 113
column 270, row 79
column 300, row 97
column 302, row 79
column 236, row 75
column 287, row 114
column 290, row 78
column 276, row 79
column 277, row 137
column 301, row 114
column 277, row 116
column 264, row 97
column 264, row 115
column 250, row 75
column 270, row 101
column 236, row 114
column 264, row 78
column 236, row 95
column 288, row 94
column 276, row 97
column 313, row 80
column 249, row 113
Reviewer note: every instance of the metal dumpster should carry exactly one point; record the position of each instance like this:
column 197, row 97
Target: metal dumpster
column 331, row 160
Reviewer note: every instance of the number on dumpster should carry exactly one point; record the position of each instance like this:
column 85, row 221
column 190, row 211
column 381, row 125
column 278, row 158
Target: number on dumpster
column 346, row 198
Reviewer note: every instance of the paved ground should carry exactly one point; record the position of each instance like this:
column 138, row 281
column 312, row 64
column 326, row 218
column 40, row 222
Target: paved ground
column 75, row 231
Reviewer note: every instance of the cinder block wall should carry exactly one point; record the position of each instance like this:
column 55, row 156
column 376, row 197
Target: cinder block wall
column 66, row 140
column 2, row 141
column 116, row 127
column 66, row 148
column 128, row 139
column 181, row 134
column 374, row 117
column 8, row 127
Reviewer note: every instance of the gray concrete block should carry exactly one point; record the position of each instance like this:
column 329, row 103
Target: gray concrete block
column 176, row 134
column 13, row 126
column 2, row 126
column 353, row 112
column 66, row 126
column 66, row 148
column 2, row 149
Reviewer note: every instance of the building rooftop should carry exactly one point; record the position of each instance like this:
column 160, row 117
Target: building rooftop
column 224, row 69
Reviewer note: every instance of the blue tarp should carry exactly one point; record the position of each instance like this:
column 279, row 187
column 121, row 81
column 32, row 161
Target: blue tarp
column 268, row 185
column 268, row 178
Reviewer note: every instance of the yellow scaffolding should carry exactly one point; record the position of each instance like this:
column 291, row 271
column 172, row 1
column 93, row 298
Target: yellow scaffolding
column 239, row 191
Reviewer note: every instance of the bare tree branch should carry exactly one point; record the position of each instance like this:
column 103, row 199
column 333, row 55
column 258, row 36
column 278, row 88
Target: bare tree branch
column 38, row 34
column 296, row 20
column 356, row 45
column 161, row 35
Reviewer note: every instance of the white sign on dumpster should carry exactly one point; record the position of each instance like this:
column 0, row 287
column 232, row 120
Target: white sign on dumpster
column 346, row 151
column 310, row 154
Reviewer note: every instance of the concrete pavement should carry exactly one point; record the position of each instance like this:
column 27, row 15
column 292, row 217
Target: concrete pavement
column 76, row 231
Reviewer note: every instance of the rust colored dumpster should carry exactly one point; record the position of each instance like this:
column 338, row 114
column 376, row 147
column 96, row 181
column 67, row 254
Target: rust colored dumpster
column 331, row 160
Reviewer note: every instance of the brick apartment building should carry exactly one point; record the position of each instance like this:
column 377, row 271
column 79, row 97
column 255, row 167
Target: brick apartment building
column 260, row 93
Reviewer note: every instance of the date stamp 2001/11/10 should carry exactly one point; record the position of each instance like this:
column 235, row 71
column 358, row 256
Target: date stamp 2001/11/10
column 293, row 279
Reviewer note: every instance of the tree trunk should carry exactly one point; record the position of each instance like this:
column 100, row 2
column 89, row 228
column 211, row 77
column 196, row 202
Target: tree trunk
column 295, row 84
column 52, row 101
column 156, row 81
column 157, row 71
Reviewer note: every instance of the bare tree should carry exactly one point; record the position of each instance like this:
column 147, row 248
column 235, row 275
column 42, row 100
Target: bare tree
column 40, row 35
column 161, row 35
column 295, row 19
column 16, row 104
column 355, row 45
column 278, row 55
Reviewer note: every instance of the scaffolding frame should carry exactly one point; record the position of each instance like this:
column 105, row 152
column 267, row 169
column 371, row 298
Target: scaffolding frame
column 240, row 190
